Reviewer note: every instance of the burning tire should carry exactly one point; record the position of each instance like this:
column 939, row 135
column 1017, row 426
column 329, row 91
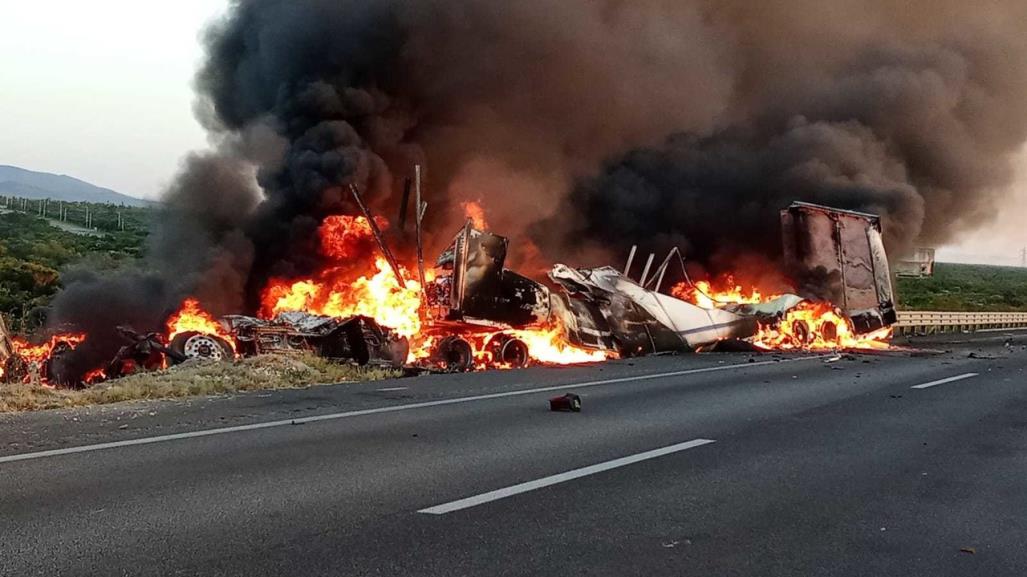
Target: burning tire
column 829, row 331
column 508, row 352
column 455, row 354
column 195, row 345
column 800, row 329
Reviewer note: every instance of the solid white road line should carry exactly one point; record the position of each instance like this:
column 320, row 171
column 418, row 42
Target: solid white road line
column 560, row 478
column 393, row 409
column 943, row 381
column 392, row 389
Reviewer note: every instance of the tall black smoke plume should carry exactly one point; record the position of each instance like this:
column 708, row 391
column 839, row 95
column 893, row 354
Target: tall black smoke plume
column 585, row 126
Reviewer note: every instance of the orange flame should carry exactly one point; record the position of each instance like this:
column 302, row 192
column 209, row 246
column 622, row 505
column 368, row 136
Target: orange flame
column 818, row 326
column 344, row 237
column 192, row 318
column 474, row 211
column 94, row 376
column 704, row 295
column 39, row 353
column 545, row 345
column 333, row 292
column 379, row 296
column 809, row 326
column 36, row 355
column 550, row 346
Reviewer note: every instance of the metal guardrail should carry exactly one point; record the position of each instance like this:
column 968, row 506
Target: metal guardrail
column 927, row 322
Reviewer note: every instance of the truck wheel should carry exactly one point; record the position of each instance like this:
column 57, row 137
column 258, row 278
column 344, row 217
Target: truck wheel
column 802, row 333
column 455, row 354
column 829, row 331
column 196, row 345
column 509, row 352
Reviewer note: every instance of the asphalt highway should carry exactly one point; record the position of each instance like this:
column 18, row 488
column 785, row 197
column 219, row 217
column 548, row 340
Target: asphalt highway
column 707, row 465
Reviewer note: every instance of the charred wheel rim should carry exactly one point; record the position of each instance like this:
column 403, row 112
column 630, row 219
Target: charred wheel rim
column 456, row 354
column 509, row 351
column 801, row 331
column 203, row 346
column 829, row 331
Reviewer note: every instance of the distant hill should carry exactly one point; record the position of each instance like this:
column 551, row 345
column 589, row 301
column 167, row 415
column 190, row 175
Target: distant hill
column 23, row 183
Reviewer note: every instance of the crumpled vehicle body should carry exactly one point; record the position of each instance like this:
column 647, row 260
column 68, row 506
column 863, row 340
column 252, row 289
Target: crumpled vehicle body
column 359, row 339
column 606, row 310
column 598, row 308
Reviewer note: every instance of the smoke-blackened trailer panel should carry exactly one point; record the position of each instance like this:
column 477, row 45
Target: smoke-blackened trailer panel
column 838, row 255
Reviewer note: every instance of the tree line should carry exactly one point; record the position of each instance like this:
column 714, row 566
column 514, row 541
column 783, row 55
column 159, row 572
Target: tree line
column 91, row 215
column 33, row 252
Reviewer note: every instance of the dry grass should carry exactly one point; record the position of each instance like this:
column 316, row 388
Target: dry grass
column 195, row 379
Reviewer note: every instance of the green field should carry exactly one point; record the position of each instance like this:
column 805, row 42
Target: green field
column 965, row 287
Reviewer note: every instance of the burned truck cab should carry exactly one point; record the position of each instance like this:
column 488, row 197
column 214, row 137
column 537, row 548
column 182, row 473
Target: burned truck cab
column 473, row 299
column 472, row 286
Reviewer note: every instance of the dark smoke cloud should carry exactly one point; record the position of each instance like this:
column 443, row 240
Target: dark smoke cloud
column 97, row 304
column 588, row 125
column 703, row 114
column 910, row 110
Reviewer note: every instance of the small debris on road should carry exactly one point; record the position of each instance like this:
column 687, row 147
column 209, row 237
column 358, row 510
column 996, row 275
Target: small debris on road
column 569, row 403
column 968, row 550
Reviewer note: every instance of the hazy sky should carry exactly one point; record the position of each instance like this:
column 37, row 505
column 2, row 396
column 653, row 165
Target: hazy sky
column 102, row 90
column 1001, row 242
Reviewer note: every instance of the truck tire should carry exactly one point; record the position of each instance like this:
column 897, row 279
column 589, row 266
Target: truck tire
column 508, row 352
column 455, row 354
column 196, row 345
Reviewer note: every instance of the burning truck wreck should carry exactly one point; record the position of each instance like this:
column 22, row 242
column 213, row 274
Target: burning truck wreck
column 585, row 137
column 469, row 312
column 604, row 311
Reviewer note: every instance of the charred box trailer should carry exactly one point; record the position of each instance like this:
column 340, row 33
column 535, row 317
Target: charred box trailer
column 838, row 255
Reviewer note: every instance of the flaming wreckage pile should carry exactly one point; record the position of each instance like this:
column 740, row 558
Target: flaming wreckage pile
column 468, row 312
